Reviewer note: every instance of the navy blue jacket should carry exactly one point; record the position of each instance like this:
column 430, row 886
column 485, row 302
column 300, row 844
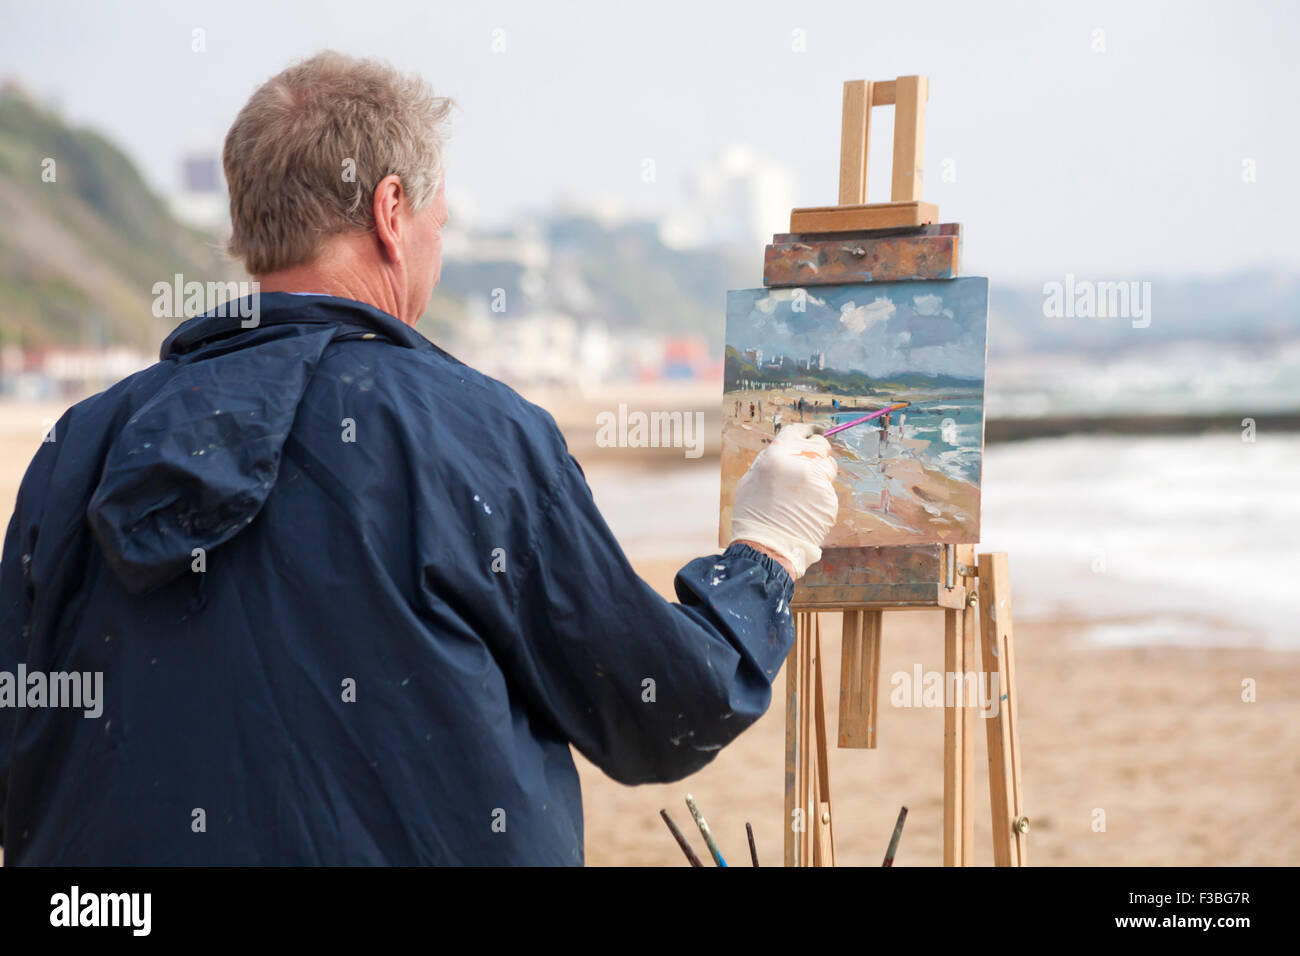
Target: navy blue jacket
column 352, row 601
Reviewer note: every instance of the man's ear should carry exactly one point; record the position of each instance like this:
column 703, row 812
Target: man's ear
column 388, row 202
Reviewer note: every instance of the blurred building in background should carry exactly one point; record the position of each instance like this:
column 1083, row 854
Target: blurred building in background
column 201, row 201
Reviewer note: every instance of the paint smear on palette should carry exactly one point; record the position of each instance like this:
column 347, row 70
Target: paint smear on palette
column 831, row 354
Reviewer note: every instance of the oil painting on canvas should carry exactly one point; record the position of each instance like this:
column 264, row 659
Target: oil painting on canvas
column 833, row 354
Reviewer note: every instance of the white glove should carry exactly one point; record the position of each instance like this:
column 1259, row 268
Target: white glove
column 786, row 501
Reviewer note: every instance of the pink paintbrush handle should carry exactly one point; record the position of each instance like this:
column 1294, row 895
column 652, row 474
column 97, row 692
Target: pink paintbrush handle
column 864, row 418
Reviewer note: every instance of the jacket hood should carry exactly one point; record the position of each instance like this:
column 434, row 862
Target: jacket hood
column 194, row 465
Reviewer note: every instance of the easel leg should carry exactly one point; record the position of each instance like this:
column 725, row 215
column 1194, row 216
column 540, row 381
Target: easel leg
column 807, row 763
column 808, row 835
column 792, row 743
column 824, row 848
column 798, row 727
column 954, row 743
column 1009, row 823
column 968, row 684
column 860, row 678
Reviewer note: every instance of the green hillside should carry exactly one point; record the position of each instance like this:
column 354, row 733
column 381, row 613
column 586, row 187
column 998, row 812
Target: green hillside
column 738, row 368
column 79, row 255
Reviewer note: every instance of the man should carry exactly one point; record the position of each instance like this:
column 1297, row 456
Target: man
column 350, row 599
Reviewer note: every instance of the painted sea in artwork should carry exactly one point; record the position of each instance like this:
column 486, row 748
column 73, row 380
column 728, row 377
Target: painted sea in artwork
column 831, row 354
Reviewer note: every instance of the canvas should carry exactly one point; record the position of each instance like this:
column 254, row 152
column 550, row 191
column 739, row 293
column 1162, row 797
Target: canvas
column 830, row 354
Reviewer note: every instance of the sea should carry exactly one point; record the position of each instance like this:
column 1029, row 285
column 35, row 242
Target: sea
column 952, row 424
column 1188, row 540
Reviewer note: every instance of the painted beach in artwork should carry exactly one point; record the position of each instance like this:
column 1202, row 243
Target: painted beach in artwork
column 832, row 354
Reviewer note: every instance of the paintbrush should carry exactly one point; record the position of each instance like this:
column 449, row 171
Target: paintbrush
column 865, row 418
column 704, row 829
column 681, row 839
column 893, row 840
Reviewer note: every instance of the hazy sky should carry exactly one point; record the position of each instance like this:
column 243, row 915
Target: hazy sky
column 1122, row 163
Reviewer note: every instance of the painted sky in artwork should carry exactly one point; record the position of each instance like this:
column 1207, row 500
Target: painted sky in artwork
column 879, row 328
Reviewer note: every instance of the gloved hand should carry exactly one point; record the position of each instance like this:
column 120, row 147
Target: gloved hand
column 786, row 501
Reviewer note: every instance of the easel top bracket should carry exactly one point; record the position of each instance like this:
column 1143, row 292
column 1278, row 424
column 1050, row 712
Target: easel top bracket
column 908, row 95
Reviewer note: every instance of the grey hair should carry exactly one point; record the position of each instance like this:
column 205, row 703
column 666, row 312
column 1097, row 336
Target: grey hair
column 306, row 152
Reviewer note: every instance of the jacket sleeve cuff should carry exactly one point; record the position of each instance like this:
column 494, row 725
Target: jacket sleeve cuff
column 768, row 563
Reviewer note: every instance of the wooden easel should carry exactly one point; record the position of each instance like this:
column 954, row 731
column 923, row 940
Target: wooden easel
column 858, row 242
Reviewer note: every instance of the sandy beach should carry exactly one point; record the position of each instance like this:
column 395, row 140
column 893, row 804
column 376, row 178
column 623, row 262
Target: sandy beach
column 1133, row 755
column 1157, row 738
